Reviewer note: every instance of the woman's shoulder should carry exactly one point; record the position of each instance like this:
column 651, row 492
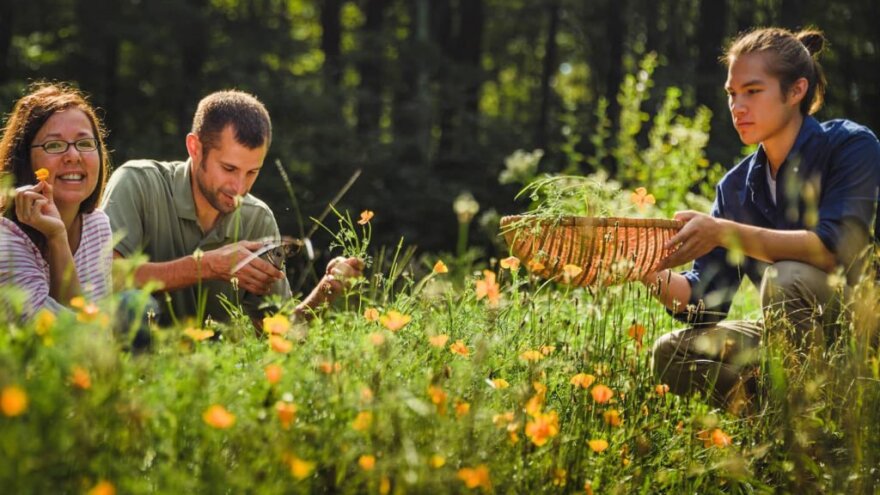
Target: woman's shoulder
column 10, row 230
column 14, row 242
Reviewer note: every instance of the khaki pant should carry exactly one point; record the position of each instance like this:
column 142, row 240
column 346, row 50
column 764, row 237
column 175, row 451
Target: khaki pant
column 720, row 360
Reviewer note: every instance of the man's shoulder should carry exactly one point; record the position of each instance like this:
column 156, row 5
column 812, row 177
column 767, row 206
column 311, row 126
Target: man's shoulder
column 148, row 168
column 842, row 131
column 254, row 206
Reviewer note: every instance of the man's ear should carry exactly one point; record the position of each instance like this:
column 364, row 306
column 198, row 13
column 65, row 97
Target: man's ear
column 798, row 90
column 194, row 147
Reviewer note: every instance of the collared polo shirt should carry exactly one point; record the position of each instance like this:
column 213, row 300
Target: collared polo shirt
column 828, row 184
column 152, row 211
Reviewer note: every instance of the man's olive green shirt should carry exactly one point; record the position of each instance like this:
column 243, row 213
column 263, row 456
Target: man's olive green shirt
column 152, row 211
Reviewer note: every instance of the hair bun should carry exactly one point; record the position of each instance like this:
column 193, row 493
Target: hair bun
column 813, row 40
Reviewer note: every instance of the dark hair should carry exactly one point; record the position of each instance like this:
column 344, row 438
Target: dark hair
column 28, row 116
column 247, row 115
column 793, row 56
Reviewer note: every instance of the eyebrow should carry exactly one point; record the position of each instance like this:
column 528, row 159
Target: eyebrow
column 58, row 134
column 227, row 164
column 753, row 82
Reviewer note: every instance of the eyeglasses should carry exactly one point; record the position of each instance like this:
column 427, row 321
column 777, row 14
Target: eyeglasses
column 57, row 146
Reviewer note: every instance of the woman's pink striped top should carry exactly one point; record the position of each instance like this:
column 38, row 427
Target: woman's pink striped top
column 23, row 266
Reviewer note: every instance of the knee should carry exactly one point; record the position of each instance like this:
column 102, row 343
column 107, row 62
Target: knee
column 785, row 281
column 663, row 353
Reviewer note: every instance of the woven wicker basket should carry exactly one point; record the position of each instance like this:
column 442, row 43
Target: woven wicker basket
column 610, row 250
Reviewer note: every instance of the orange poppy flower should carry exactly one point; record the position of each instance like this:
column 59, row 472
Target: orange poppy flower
column 371, row 314
column 300, row 468
column 440, row 267
column 329, row 367
column 80, row 378
column 198, row 334
column 582, row 380
column 715, row 438
column 598, row 445
column 531, row 356
column 277, row 324
column 438, row 340
column 536, row 266
column 499, row 383
column 510, row 263
column 601, row 394
column 273, row 373
column 286, row 413
column 488, row 288
column 636, row 332
column 612, row 417
column 641, row 198
column 362, row 421
column 394, row 320
column 103, row 487
column 377, row 338
column 569, row 272
column 42, row 174
column 280, row 344
column 367, row 462
column 366, row 216
column 438, row 398
column 542, row 428
column 477, row 477
column 218, row 417
column 461, row 408
column 13, row 401
column 459, row 348
column 661, row 389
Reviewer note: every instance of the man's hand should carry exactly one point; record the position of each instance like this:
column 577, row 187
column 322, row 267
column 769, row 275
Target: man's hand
column 256, row 277
column 340, row 273
column 701, row 234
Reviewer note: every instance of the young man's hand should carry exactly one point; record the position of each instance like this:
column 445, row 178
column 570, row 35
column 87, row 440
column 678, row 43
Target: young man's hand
column 257, row 276
column 701, row 234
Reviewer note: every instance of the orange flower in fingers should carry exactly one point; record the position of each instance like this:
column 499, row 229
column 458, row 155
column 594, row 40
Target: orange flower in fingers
column 42, row 174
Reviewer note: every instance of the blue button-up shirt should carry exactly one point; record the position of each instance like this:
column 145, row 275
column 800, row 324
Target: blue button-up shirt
column 828, row 184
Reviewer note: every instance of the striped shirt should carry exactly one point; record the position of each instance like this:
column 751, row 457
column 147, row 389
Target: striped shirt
column 22, row 264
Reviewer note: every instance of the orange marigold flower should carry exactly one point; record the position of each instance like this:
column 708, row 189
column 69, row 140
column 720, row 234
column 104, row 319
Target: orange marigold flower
column 395, row 320
column 371, row 314
column 531, row 356
column 636, row 332
column 641, row 198
column 13, row 401
column 300, row 468
column 367, row 462
column 661, row 389
column 103, row 487
column 499, row 383
column 582, row 380
column 438, row 398
column 366, row 216
column 436, row 461
column 570, row 271
column 362, row 421
column 488, row 288
column 42, row 174
column 79, row 378
column 542, row 428
column 598, row 445
column 286, row 413
column 477, row 477
column 601, row 393
column 280, row 344
column 536, row 266
column 277, row 324
column 440, row 267
column 218, row 417
column 459, row 348
column 273, row 373
column 198, row 334
column 438, row 340
column 612, row 417
column 461, row 408
column 510, row 263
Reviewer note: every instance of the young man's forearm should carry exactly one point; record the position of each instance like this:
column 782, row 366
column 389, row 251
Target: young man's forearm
column 778, row 245
column 670, row 288
column 173, row 275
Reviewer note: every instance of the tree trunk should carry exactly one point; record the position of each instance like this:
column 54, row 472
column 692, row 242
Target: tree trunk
column 550, row 63
column 331, row 33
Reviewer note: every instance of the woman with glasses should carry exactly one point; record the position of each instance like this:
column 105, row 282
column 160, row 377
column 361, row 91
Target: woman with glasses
column 54, row 244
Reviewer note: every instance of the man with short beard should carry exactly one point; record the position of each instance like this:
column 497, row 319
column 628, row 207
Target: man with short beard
column 197, row 221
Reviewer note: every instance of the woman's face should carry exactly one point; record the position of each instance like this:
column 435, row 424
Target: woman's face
column 757, row 106
column 73, row 174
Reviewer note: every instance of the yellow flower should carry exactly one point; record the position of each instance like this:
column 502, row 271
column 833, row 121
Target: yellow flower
column 601, row 393
column 560, row 477
column 612, row 417
column 13, row 401
column 42, row 174
column 384, row 486
column 531, row 356
column 198, row 334
column 286, row 413
column 367, row 462
column 273, row 373
column 641, row 198
column 280, row 344
column 547, row 349
column 218, row 417
column 499, row 383
column 394, row 320
column 510, row 263
column 80, row 378
column 582, row 380
column 536, row 266
column 459, row 348
column 488, row 288
column 461, row 408
column 88, row 313
column 438, row 340
column 277, row 324
column 43, row 322
column 543, row 427
column 477, row 477
column 362, row 421
column 598, row 445
column 366, row 216
column 440, row 267
column 371, row 314
column 78, row 302
column 569, row 272
column 300, row 468
column 103, row 487
column 436, row 461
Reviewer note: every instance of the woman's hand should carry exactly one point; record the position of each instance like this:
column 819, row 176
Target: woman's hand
column 35, row 206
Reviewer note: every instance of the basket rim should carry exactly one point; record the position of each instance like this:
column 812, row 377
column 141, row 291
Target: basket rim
column 582, row 221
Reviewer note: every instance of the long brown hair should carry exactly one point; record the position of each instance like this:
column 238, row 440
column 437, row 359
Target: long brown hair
column 791, row 57
column 28, row 116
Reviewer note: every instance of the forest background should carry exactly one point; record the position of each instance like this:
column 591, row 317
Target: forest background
column 426, row 97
